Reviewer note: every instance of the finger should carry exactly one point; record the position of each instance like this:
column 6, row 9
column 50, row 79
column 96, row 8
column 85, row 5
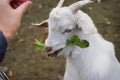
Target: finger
column 5, row 1
column 8, row 1
column 5, row 4
column 23, row 7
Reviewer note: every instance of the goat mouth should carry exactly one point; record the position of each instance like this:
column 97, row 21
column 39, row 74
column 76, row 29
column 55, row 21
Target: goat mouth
column 54, row 54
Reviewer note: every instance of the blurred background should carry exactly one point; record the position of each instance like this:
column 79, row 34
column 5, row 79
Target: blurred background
column 23, row 62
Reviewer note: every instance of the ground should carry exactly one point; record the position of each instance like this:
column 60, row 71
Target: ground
column 25, row 63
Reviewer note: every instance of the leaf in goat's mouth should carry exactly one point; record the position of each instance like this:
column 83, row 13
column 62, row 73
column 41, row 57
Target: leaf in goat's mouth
column 75, row 40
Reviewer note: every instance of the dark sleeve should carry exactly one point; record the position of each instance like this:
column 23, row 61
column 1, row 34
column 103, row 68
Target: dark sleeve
column 3, row 46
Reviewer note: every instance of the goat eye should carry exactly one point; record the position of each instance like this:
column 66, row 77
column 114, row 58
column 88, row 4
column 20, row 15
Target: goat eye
column 67, row 31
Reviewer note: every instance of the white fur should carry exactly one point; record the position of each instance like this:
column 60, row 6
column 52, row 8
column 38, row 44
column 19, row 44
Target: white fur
column 97, row 62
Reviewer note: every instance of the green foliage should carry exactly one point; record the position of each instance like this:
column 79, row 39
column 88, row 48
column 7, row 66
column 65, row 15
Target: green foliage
column 74, row 40
column 39, row 46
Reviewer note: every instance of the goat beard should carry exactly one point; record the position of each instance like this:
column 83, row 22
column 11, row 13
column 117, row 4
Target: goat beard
column 16, row 3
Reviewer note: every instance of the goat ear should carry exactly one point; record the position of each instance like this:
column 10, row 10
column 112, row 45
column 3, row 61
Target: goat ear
column 87, row 26
column 43, row 24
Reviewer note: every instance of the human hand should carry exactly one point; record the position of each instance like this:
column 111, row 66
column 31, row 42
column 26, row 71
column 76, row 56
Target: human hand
column 16, row 3
column 10, row 18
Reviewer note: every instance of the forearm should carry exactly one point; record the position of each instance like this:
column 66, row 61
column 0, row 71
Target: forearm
column 3, row 46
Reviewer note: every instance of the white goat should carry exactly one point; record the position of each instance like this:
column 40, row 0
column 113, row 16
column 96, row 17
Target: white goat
column 97, row 62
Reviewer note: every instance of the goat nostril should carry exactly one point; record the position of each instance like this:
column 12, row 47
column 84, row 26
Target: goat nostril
column 48, row 49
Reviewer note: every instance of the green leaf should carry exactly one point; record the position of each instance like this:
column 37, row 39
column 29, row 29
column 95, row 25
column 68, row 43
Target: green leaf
column 39, row 46
column 83, row 44
column 75, row 40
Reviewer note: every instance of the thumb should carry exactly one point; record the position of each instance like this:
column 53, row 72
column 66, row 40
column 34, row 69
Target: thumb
column 24, row 7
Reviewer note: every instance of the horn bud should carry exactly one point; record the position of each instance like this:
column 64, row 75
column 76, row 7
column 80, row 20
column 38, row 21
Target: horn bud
column 60, row 3
column 76, row 6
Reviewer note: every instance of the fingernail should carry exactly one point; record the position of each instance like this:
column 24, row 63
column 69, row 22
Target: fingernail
column 30, row 3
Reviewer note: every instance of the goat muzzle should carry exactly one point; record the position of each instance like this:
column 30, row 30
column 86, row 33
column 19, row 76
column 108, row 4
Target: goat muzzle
column 54, row 54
